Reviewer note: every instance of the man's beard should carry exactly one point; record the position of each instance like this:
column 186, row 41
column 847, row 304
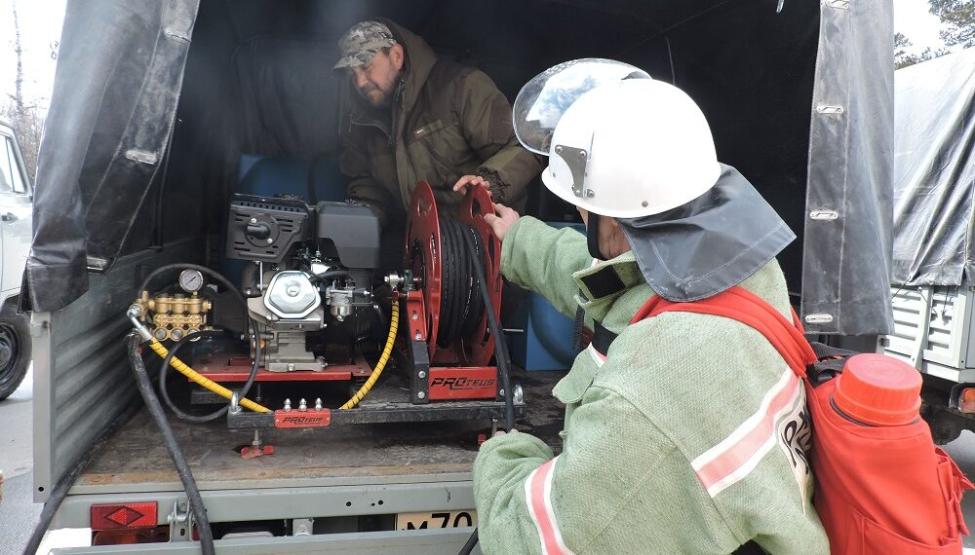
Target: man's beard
column 382, row 102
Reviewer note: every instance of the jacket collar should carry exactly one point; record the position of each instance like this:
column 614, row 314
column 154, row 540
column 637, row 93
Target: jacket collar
column 606, row 279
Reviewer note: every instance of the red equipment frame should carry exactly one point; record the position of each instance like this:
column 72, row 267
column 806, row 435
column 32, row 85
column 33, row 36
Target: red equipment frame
column 459, row 372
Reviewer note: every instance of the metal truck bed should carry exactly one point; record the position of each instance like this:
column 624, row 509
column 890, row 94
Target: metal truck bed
column 392, row 466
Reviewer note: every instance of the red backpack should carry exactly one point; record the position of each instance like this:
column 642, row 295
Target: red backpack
column 882, row 486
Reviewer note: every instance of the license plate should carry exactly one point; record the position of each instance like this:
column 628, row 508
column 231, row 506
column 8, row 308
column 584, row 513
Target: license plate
column 444, row 519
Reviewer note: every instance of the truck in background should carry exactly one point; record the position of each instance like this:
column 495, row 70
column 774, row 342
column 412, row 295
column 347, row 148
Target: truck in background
column 933, row 279
column 15, row 235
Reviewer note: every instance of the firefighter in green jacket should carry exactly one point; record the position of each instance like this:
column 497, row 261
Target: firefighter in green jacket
column 414, row 117
column 684, row 433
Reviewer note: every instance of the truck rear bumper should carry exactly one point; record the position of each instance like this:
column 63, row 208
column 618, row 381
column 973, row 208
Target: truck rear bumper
column 284, row 503
column 413, row 542
column 277, row 504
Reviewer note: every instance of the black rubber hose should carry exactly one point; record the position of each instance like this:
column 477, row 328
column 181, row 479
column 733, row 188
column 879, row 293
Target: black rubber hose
column 469, row 546
column 461, row 306
column 500, row 347
column 63, row 485
column 330, row 274
column 453, row 262
column 187, row 266
column 169, row 440
column 500, row 353
column 167, row 363
column 475, row 304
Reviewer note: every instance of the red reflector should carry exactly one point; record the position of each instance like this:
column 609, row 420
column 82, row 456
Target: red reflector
column 129, row 515
column 967, row 402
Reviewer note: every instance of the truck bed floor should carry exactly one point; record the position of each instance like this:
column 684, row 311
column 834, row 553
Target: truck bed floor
column 341, row 455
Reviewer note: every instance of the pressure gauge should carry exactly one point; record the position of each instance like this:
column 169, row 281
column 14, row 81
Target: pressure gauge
column 191, row 281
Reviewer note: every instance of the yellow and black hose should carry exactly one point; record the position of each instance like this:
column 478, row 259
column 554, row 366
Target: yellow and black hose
column 383, row 359
column 201, row 380
column 185, row 369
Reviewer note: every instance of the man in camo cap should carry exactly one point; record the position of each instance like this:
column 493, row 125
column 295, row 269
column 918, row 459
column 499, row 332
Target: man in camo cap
column 411, row 116
column 359, row 47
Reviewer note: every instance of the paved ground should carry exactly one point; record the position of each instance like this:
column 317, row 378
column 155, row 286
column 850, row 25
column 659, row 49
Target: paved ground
column 18, row 513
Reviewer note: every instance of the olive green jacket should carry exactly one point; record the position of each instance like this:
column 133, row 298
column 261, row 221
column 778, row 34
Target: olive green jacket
column 688, row 436
column 446, row 121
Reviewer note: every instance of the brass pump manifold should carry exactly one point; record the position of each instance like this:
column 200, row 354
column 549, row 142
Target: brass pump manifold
column 174, row 316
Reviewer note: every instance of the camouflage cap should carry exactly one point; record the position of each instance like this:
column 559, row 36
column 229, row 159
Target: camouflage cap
column 360, row 43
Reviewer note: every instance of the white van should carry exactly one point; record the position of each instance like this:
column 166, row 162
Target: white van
column 15, row 236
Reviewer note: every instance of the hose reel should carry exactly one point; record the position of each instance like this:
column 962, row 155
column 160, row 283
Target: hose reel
column 437, row 252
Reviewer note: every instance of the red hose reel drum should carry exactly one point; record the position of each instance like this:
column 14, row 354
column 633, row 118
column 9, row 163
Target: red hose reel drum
column 424, row 255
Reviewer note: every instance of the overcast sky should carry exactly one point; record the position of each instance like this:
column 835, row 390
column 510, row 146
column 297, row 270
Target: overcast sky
column 41, row 20
column 40, row 28
column 912, row 18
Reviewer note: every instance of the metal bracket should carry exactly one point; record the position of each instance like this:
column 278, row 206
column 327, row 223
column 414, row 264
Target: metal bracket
column 142, row 156
column 302, row 526
column 419, row 363
column 38, row 325
column 577, row 159
column 181, row 522
column 818, row 318
column 824, row 215
column 830, row 110
column 97, row 264
column 917, row 355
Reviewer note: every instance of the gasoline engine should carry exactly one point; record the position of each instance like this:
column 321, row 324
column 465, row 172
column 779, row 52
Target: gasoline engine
column 310, row 268
column 311, row 289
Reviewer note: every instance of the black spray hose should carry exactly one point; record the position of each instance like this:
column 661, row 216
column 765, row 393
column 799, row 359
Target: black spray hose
column 469, row 546
column 500, row 353
column 167, row 362
column 61, row 488
column 169, row 440
column 500, row 346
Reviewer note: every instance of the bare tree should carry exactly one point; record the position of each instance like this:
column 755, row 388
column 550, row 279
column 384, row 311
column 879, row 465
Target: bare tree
column 24, row 117
column 19, row 52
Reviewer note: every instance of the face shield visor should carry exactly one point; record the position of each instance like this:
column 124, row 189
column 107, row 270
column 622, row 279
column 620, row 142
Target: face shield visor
column 542, row 101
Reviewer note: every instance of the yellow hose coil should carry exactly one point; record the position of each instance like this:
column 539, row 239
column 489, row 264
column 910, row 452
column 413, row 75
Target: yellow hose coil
column 203, row 381
column 387, row 351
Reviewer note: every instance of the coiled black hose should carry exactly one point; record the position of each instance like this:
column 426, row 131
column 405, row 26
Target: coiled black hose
column 461, row 307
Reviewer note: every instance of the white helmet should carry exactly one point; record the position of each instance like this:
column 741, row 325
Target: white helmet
column 630, row 148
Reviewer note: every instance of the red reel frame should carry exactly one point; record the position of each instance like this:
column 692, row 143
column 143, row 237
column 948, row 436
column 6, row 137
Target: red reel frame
column 423, row 255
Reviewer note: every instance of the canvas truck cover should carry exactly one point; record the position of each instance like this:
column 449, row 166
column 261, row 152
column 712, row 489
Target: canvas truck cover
column 818, row 146
column 934, row 172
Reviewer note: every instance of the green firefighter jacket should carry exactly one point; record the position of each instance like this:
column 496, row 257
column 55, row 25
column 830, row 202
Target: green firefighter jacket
column 689, row 436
